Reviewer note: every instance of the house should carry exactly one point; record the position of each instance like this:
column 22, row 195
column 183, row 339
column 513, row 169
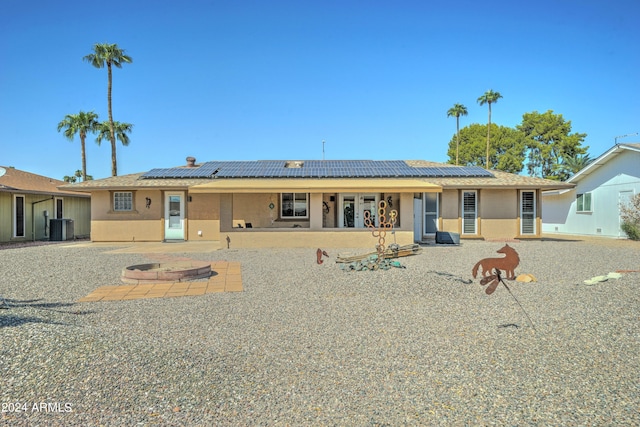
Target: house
column 592, row 207
column 28, row 202
column 314, row 203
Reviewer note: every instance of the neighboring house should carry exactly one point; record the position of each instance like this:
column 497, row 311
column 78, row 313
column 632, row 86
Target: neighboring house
column 28, row 202
column 593, row 206
column 313, row 203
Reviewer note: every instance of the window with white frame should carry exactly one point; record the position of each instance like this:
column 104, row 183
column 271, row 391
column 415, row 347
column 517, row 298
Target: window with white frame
column 527, row 212
column 469, row 212
column 294, row 205
column 122, row 201
column 583, row 202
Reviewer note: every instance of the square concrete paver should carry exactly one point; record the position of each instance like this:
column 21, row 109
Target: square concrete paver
column 226, row 277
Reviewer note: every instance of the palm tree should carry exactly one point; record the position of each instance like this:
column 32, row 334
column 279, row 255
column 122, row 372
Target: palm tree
column 571, row 165
column 81, row 124
column 119, row 129
column 109, row 55
column 456, row 111
column 489, row 97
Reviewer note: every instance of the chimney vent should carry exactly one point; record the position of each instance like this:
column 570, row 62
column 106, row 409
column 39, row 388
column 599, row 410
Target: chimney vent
column 191, row 162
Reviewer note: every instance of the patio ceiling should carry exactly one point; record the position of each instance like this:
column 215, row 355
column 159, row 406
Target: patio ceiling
column 316, row 186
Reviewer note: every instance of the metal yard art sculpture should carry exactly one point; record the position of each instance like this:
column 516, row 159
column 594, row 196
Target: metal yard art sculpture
column 508, row 263
column 381, row 258
column 383, row 225
column 492, row 275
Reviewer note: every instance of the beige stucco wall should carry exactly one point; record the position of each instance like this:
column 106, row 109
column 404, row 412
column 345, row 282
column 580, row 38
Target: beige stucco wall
column 141, row 224
column 203, row 217
column 310, row 239
column 498, row 213
column 214, row 216
column 450, row 205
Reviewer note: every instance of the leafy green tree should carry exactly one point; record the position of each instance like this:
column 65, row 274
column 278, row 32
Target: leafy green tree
column 120, row 129
column 507, row 151
column 68, row 178
column 81, row 124
column 550, row 143
column 456, row 111
column 489, row 97
column 109, row 55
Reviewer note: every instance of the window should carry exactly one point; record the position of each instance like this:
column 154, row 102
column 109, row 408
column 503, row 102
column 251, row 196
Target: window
column 123, row 201
column 19, row 216
column 469, row 212
column 294, row 205
column 59, row 209
column 527, row 212
column 583, row 202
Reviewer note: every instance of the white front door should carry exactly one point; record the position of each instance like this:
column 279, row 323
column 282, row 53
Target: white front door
column 174, row 216
column 431, row 214
column 417, row 220
column 353, row 207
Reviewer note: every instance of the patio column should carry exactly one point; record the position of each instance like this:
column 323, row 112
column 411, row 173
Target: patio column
column 315, row 211
column 406, row 211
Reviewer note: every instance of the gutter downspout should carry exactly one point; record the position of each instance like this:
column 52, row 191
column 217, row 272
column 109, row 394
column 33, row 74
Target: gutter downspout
column 33, row 218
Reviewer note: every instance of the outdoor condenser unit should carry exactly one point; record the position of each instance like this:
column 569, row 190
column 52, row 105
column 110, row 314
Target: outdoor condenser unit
column 447, row 238
column 60, row 229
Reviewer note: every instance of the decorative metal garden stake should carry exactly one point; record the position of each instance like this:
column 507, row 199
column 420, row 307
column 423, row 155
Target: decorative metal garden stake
column 493, row 282
column 508, row 263
column 383, row 225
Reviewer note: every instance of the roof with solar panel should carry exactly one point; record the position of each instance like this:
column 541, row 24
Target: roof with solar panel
column 315, row 169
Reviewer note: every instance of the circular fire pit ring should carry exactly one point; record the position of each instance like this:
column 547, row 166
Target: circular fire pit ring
column 179, row 271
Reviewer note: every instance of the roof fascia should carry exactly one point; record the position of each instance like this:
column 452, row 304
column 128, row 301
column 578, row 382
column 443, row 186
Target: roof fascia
column 601, row 160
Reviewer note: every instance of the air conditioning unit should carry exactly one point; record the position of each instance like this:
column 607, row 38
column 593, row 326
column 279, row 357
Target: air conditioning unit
column 447, row 238
column 60, row 230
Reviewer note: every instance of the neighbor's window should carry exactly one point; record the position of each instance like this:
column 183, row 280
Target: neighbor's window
column 583, row 202
column 123, row 201
column 294, row 205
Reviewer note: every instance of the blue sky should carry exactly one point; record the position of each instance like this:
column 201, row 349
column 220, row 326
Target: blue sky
column 253, row 80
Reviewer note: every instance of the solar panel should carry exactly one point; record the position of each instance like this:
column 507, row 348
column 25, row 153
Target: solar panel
column 316, row 169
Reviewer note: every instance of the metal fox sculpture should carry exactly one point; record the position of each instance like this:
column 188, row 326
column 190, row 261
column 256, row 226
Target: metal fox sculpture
column 508, row 263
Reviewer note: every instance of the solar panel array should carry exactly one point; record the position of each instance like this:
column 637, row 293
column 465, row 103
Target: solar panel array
column 316, row 169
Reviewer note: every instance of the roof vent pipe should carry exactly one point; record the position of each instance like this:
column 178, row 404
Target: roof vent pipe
column 191, row 162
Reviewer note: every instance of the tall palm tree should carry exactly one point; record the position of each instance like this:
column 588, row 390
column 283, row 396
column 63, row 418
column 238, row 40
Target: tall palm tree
column 111, row 56
column 119, row 129
column 81, row 124
column 456, row 111
column 489, row 97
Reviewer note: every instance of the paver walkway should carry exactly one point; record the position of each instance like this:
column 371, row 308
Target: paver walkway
column 226, row 277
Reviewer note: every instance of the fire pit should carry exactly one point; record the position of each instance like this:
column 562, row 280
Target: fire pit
column 166, row 272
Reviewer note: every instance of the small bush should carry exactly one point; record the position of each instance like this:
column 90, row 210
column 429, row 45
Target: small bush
column 630, row 214
column 632, row 230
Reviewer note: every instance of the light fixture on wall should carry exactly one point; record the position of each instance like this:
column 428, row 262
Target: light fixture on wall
column 389, row 202
column 148, row 202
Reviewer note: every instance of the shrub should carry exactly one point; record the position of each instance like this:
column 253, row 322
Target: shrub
column 632, row 230
column 630, row 214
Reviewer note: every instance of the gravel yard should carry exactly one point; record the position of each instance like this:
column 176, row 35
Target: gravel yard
column 309, row 344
